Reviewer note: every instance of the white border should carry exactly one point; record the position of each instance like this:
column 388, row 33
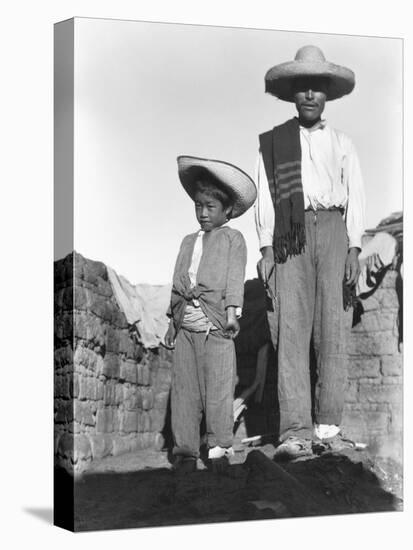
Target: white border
column 27, row 253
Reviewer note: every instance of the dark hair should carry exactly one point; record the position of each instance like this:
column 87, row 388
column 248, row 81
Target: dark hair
column 206, row 183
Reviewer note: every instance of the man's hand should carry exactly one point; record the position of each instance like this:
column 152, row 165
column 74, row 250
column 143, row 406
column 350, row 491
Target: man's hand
column 170, row 336
column 232, row 325
column 265, row 265
column 352, row 266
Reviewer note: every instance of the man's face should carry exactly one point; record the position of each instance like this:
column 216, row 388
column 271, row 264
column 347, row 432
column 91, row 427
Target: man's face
column 310, row 95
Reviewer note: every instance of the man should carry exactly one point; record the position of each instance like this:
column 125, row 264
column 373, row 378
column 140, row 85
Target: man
column 310, row 219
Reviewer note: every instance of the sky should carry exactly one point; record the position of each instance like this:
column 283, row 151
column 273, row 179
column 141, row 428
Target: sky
column 148, row 92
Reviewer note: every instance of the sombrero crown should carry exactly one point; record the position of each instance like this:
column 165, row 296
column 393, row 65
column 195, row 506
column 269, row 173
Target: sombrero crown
column 309, row 61
column 237, row 183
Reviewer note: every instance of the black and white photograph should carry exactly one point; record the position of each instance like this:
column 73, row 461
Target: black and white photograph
column 228, row 274
column 205, row 273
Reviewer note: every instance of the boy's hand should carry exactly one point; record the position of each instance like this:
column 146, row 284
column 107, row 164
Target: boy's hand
column 170, row 336
column 232, row 325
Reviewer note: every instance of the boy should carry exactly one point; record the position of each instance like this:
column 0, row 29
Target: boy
column 207, row 296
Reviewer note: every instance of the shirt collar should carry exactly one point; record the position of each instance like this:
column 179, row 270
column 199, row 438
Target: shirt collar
column 320, row 125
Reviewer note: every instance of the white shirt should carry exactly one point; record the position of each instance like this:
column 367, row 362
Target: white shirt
column 331, row 176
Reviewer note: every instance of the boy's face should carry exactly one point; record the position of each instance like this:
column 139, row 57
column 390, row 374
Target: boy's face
column 210, row 212
column 310, row 96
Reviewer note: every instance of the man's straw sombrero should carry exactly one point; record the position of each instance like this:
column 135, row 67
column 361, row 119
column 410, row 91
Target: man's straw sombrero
column 237, row 183
column 309, row 61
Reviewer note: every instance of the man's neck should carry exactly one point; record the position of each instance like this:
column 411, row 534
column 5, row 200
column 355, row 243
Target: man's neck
column 311, row 125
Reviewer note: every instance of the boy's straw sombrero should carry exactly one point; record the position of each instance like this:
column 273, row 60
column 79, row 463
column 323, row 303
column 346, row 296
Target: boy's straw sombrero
column 309, row 61
column 239, row 184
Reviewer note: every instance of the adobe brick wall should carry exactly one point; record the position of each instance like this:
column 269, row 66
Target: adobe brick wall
column 111, row 393
column 374, row 397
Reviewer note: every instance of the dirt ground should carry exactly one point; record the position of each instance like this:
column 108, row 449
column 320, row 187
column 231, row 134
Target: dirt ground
column 140, row 489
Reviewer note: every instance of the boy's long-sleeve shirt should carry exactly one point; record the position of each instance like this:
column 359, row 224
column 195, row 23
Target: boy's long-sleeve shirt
column 219, row 278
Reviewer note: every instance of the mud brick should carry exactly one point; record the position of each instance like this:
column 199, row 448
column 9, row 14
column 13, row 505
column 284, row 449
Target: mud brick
column 84, row 390
column 82, row 356
column 129, row 421
column 59, row 387
column 128, row 371
column 111, row 365
column 373, row 344
column 82, row 448
column 391, row 380
column 389, row 280
column 154, row 361
column 351, row 392
column 163, row 380
column 396, row 418
column 392, row 365
column 145, row 375
column 116, row 419
column 366, row 367
column 66, row 445
column 121, row 445
column 147, row 440
column 83, row 413
column 100, row 365
column 165, row 356
column 391, row 393
column 81, row 298
column 75, row 385
column 141, row 421
column 139, row 353
column 101, row 306
column 133, row 399
column 135, row 443
column 375, row 321
column 62, row 357
column 161, row 400
column 112, row 339
column 157, row 420
column 158, row 442
column 147, row 398
column 64, row 325
column 146, row 421
column 80, row 322
column 387, row 297
column 126, row 343
column 373, row 381
column 99, row 390
column 101, row 445
column 371, row 303
column 104, row 420
column 118, row 393
column 63, row 411
column 109, row 392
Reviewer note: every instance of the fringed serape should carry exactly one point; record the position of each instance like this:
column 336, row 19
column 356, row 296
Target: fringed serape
column 281, row 152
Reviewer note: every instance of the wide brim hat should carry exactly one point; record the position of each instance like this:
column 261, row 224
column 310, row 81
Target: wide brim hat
column 309, row 61
column 235, row 181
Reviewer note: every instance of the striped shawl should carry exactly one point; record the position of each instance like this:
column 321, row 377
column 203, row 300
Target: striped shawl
column 281, row 152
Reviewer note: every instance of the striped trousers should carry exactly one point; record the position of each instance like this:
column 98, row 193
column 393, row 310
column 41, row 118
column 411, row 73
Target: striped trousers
column 203, row 382
column 310, row 291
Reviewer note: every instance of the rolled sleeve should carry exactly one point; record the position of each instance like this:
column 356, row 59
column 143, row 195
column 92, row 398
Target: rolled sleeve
column 356, row 205
column 234, row 295
column 263, row 209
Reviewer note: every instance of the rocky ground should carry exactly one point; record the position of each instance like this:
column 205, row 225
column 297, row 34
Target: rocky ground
column 140, row 490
